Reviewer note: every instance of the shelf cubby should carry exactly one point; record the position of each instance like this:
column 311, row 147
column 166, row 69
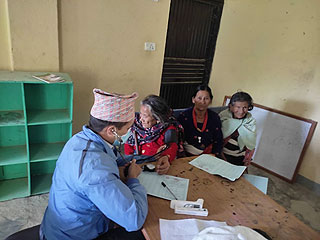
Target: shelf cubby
column 41, row 176
column 36, row 117
column 11, row 104
column 47, row 141
column 13, row 147
column 48, row 103
column 13, row 155
column 14, row 181
column 12, row 118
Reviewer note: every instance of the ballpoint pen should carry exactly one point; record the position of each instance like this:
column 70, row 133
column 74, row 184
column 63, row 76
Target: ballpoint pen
column 164, row 185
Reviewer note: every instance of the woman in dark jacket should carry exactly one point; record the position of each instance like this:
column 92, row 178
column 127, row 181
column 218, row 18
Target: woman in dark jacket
column 202, row 127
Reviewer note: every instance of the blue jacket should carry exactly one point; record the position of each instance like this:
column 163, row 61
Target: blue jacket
column 87, row 193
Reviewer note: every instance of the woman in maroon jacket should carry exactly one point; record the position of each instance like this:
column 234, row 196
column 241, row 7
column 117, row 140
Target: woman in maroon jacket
column 153, row 130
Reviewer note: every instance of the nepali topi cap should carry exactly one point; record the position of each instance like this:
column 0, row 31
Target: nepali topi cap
column 113, row 107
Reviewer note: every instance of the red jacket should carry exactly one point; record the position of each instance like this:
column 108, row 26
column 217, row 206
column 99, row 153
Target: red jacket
column 152, row 147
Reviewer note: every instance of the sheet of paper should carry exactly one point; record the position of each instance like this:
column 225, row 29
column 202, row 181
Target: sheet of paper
column 259, row 182
column 185, row 229
column 218, row 166
column 152, row 183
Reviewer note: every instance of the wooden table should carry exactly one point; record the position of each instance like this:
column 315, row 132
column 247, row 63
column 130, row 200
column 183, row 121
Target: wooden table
column 236, row 203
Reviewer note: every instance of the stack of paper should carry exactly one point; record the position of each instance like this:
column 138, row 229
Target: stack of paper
column 49, row 78
column 214, row 165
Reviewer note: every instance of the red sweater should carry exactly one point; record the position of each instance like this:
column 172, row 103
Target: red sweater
column 152, row 147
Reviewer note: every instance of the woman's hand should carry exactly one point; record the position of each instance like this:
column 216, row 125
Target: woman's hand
column 248, row 157
column 134, row 169
column 161, row 148
column 163, row 165
column 247, row 162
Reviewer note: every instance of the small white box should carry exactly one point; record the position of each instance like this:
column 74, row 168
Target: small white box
column 189, row 207
column 191, row 211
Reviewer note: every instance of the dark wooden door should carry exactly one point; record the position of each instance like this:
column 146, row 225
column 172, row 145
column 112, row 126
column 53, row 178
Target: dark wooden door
column 191, row 38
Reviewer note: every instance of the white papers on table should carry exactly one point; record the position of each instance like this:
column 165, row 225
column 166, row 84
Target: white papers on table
column 185, row 229
column 259, row 182
column 152, row 183
column 195, row 229
column 218, row 166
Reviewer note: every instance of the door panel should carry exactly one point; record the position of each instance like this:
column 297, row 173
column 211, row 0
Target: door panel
column 191, row 38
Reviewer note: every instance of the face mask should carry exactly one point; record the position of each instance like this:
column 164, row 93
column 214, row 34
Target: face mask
column 123, row 138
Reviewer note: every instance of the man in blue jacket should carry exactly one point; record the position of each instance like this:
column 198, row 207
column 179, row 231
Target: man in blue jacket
column 87, row 197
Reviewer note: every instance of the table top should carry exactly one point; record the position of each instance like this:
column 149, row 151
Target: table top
column 236, row 203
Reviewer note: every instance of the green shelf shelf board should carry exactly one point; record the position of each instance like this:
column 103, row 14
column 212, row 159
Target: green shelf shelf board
column 41, row 183
column 45, row 151
column 36, row 117
column 13, row 155
column 13, row 188
column 12, row 118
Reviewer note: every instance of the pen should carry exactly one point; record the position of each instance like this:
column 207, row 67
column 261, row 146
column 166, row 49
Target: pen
column 164, row 185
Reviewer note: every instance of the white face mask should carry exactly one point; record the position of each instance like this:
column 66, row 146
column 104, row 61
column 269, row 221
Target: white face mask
column 123, row 138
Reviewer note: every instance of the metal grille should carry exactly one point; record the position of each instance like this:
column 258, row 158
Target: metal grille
column 182, row 70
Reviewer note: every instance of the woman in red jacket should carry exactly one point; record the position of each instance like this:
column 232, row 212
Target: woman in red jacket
column 153, row 130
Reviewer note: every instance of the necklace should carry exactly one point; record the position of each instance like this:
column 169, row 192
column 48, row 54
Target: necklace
column 195, row 121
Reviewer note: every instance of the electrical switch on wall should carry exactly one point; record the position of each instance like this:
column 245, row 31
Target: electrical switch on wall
column 149, row 46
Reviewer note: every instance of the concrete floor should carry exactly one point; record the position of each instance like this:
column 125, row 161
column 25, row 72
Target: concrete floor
column 22, row 213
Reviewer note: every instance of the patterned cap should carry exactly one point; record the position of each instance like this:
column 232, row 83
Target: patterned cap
column 113, row 107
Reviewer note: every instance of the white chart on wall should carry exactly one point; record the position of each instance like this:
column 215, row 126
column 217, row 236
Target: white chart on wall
column 281, row 140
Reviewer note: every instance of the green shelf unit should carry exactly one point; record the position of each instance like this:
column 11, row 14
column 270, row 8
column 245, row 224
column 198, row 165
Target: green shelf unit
column 35, row 123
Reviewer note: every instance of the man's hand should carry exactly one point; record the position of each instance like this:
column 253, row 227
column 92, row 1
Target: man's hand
column 163, row 165
column 134, row 170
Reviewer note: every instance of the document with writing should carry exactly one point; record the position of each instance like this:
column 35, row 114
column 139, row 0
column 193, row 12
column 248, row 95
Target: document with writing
column 218, row 166
column 164, row 186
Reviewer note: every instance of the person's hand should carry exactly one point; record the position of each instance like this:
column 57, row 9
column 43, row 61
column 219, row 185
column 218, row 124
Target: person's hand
column 163, row 165
column 134, row 170
column 161, row 148
column 223, row 157
column 246, row 162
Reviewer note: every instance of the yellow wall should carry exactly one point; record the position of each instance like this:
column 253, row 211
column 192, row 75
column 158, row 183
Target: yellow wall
column 271, row 49
column 268, row 48
column 5, row 43
column 102, row 46
column 34, row 35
